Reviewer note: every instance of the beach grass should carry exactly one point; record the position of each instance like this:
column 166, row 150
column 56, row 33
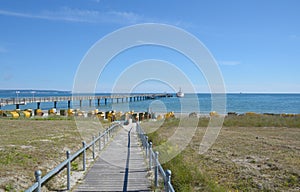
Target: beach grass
column 27, row 145
column 251, row 153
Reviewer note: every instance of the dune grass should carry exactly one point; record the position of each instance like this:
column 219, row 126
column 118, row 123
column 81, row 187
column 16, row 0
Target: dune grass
column 39, row 143
column 252, row 153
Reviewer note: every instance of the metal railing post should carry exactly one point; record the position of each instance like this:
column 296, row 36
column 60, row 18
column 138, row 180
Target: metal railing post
column 99, row 141
column 68, row 170
column 38, row 174
column 93, row 147
column 104, row 137
column 84, row 154
column 150, row 155
column 144, row 140
column 107, row 134
column 156, row 169
column 168, row 182
column 147, row 146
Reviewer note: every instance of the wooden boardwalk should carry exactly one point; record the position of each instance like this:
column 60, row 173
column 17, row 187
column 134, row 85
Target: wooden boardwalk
column 120, row 167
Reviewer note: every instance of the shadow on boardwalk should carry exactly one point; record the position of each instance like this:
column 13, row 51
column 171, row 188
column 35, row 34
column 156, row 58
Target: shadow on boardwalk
column 121, row 167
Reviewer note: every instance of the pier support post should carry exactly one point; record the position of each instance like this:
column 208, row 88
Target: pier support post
column 105, row 101
column 38, row 105
column 90, row 102
column 98, row 102
column 69, row 104
column 80, row 103
column 17, row 106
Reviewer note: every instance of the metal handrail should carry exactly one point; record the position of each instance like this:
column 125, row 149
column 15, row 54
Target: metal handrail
column 66, row 163
column 165, row 174
column 20, row 100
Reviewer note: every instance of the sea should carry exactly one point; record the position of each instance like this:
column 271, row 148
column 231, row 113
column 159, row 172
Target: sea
column 202, row 103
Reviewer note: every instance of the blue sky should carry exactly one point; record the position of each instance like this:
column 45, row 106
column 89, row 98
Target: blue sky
column 255, row 42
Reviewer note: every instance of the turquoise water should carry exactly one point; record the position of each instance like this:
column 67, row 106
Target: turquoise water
column 240, row 103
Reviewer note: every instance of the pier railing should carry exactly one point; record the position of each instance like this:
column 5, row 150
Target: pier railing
column 154, row 162
column 25, row 100
column 67, row 163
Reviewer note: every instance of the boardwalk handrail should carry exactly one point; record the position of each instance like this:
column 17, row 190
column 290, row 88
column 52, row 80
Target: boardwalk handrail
column 166, row 174
column 67, row 163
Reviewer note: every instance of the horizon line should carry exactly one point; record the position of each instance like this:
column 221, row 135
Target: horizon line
column 250, row 92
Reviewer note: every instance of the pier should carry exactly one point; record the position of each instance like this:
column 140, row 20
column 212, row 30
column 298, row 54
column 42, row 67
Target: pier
column 106, row 98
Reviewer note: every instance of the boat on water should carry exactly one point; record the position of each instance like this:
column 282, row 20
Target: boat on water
column 180, row 93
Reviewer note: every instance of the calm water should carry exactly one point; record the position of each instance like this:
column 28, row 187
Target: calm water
column 240, row 103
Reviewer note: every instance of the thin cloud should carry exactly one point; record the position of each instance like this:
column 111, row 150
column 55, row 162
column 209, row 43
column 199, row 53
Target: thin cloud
column 126, row 16
column 44, row 15
column 67, row 14
column 79, row 15
column 229, row 63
